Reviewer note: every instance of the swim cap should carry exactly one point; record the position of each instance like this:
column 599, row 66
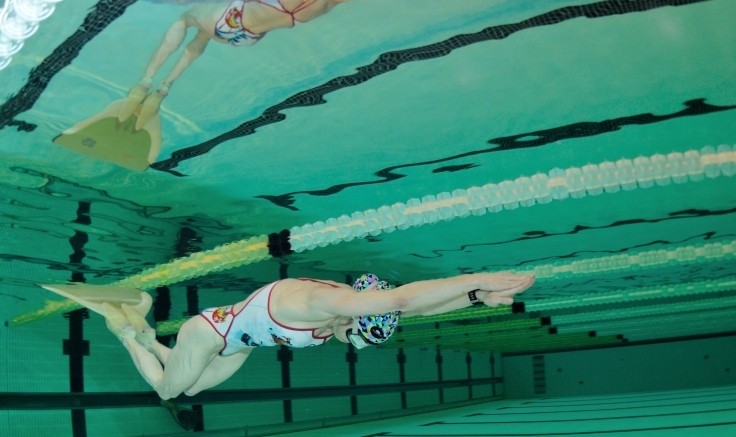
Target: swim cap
column 375, row 329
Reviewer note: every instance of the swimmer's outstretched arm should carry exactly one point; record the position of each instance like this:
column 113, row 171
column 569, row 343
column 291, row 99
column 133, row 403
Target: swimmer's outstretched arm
column 425, row 297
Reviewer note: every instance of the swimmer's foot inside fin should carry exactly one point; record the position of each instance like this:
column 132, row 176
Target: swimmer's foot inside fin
column 132, row 102
column 104, row 137
column 187, row 419
column 93, row 297
column 149, row 109
column 145, row 335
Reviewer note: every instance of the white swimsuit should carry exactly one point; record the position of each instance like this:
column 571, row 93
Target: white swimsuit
column 230, row 26
column 253, row 326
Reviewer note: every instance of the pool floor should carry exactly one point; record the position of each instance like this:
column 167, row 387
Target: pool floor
column 701, row 412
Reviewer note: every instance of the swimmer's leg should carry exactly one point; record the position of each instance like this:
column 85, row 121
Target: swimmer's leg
column 220, row 369
column 185, row 364
column 172, row 40
column 147, row 364
column 170, row 43
column 193, row 50
column 145, row 334
column 152, row 104
column 197, row 346
column 136, row 315
column 117, row 323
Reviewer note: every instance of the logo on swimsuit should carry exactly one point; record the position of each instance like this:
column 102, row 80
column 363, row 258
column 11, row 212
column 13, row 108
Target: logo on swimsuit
column 286, row 341
column 233, row 18
column 248, row 340
column 219, row 315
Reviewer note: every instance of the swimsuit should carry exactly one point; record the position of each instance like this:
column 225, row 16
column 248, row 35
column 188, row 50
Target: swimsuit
column 254, row 326
column 230, row 26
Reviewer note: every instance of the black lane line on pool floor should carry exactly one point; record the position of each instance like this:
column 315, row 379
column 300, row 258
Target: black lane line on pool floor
column 505, row 411
column 576, row 420
column 101, row 15
column 390, row 61
column 628, row 402
column 686, row 393
column 688, row 214
column 694, row 107
column 106, row 11
column 541, row 433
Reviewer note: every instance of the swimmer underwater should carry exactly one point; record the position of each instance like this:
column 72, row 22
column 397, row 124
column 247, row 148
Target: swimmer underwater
column 238, row 23
column 298, row 313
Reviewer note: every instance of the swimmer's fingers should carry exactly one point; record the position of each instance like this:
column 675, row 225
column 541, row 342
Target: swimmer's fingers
column 506, row 296
column 508, row 283
column 509, row 292
column 494, row 299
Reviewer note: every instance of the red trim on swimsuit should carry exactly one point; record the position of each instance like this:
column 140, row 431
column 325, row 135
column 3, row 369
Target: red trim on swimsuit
column 291, row 13
column 227, row 331
column 229, row 311
column 318, row 281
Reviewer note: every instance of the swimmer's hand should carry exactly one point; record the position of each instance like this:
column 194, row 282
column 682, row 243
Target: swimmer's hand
column 502, row 287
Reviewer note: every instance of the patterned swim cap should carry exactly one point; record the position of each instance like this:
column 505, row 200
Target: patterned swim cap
column 375, row 329
column 365, row 281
